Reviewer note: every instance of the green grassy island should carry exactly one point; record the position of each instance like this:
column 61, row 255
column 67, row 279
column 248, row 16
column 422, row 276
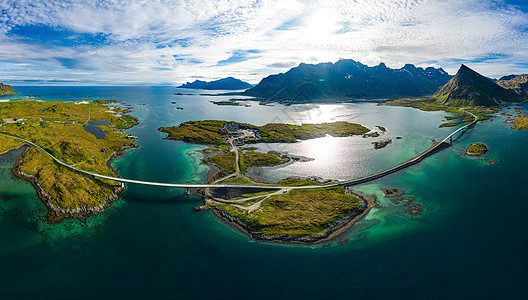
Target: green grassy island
column 301, row 213
column 476, row 149
column 210, row 132
column 520, row 123
column 58, row 127
column 282, row 214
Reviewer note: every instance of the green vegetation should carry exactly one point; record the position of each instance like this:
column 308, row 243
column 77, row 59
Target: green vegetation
column 469, row 88
column 104, row 101
column 251, row 158
column 197, row 132
column 67, row 188
column 249, row 195
column 476, row 149
column 208, row 132
column 287, row 133
column 237, row 181
column 372, row 134
column 466, row 119
column 296, row 182
column 58, row 128
column 520, row 123
column 226, row 161
column 425, row 104
column 232, row 103
column 7, row 143
column 448, row 124
column 125, row 122
column 299, row 213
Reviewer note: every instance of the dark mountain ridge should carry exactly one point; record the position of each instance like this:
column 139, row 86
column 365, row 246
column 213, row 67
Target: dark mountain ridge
column 228, row 83
column 348, row 79
column 516, row 83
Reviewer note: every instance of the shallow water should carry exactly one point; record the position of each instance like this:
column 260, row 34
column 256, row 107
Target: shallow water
column 469, row 241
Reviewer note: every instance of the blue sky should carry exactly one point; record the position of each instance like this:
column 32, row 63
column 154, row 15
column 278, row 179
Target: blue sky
column 128, row 42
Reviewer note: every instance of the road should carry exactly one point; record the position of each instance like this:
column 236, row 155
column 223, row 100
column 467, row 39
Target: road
column 433, row 149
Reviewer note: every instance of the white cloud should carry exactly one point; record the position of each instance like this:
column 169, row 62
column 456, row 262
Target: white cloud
column 142, row 36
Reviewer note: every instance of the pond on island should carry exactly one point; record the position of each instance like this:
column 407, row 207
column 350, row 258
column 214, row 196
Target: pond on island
column 99, row 134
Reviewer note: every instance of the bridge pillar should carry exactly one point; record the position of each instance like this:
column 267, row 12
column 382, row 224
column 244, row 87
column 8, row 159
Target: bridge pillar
column 451, row 141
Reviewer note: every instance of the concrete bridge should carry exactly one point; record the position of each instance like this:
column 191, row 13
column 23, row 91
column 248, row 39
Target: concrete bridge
column 436, row 147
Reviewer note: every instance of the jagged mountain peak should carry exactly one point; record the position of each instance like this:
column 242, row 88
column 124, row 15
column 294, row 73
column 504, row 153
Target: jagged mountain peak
column 469, row 88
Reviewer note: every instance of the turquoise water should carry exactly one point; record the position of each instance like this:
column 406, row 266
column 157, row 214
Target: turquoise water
column 469, row 242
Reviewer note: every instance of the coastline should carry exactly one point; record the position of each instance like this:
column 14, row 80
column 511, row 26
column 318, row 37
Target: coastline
column 331, row 232
column 56, row 214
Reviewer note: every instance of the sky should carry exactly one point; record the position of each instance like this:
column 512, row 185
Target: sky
column 169, row 42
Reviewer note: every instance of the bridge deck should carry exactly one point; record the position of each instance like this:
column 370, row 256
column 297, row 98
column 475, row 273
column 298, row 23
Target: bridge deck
column 436, row 147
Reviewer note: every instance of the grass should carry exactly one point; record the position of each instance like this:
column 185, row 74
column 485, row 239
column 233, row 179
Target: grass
column 520, row 123
column 67, row 188
column 287, row 133
column 425, row 104
column 208, row 132
column 251, row 158
column 197, row 132
column 299, row 213
column 466, row 119
column 237, row 181
column 7, row 143
column 296, row 182
column 477, row 149
column 247, row 159
column 71, row 144
column 448, row 124
column 226, row 161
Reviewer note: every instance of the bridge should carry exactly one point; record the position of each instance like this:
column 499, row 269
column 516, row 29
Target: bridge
column 436, row 147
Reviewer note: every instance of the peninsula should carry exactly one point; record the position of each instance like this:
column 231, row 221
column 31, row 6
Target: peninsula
column 61, row 129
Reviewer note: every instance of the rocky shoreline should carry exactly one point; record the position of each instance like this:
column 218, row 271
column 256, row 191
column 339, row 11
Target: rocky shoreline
column 56, row 213
column 367, row 203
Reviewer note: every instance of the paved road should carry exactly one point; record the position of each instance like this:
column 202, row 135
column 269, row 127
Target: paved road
column 435, row 148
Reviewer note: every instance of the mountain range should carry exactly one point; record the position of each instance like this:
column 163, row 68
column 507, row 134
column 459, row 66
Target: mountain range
column 469, row 88
column 347, row 79
column 517, row 83
column 228, row 83
column 7, row 90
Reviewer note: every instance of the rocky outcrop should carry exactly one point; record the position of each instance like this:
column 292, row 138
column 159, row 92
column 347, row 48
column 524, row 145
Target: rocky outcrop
column 7, row 90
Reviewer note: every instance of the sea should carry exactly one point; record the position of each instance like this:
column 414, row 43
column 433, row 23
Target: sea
column 469, row 242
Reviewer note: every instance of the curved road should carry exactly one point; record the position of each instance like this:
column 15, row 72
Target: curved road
column 435, row 148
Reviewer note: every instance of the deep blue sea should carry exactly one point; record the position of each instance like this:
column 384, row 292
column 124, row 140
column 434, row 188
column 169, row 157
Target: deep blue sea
column 469, row 242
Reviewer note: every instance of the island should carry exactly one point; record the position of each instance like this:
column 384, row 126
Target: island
column 86, row 135
column 228, row 83
column 476, row 149
column 520, row 122
column 279, row 212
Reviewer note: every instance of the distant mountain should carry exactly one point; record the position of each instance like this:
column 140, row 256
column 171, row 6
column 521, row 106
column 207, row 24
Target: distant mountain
column 228, row 83
column 348, row 79
column 469, row 88
column 6, row 90
column 516, row 83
